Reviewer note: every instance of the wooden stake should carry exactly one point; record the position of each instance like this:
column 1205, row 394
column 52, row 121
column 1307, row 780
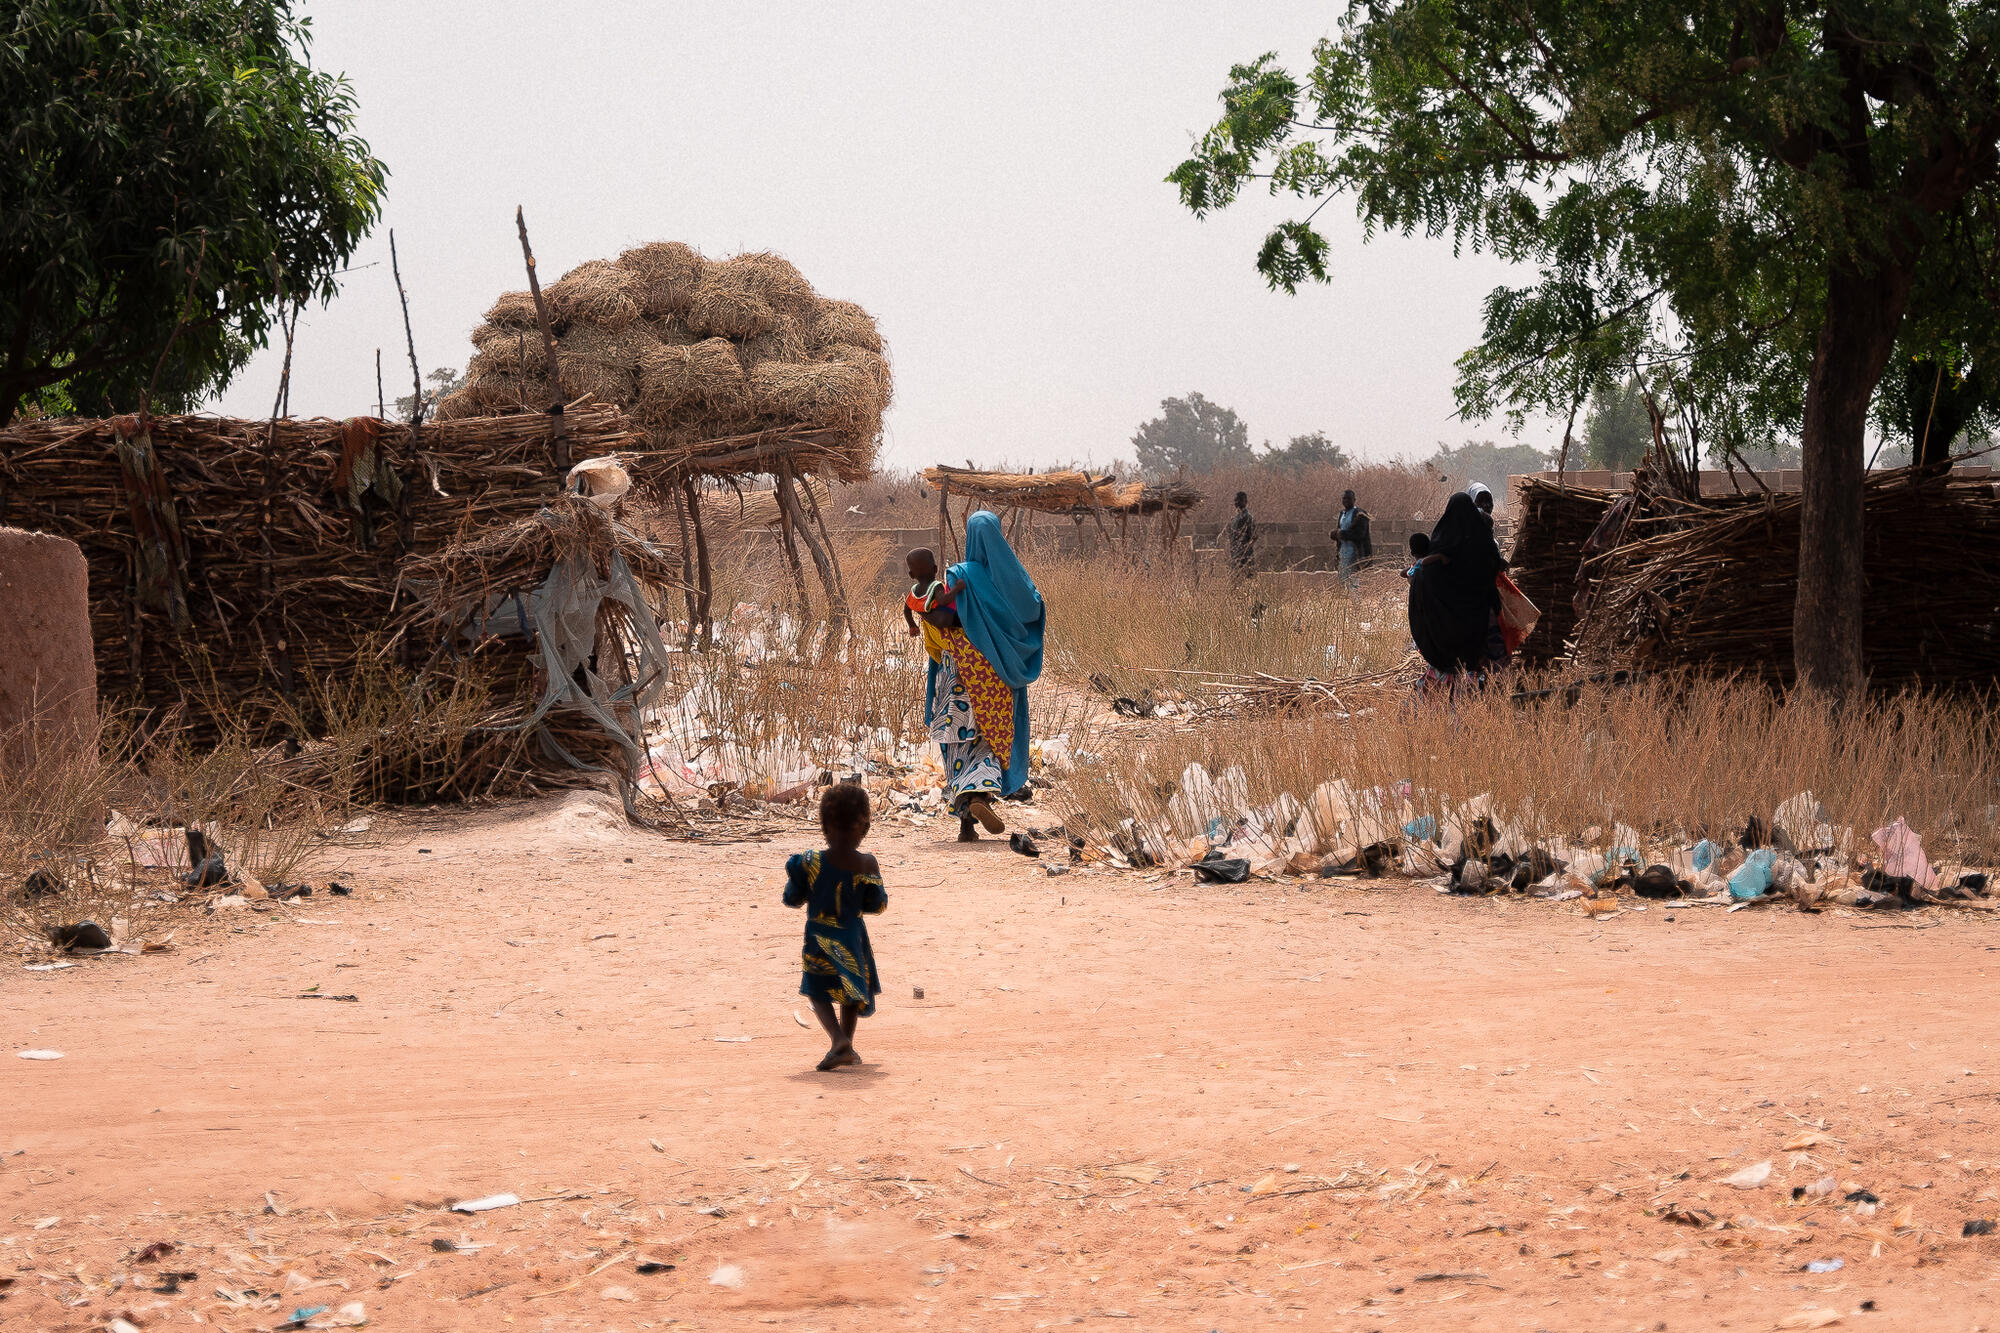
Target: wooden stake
column 381, row 408
column 687, row 564
column 705, row 602
column 559, row 436
column 416, row 376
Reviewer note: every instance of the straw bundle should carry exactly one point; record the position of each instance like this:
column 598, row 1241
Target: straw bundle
column 828, row 395
column 703, row 381
column 665, row 274
column 732, row 367
column 838, row 322
column 594, row 293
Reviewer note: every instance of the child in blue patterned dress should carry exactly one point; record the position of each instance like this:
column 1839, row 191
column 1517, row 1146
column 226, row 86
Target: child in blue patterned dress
column 837, row 887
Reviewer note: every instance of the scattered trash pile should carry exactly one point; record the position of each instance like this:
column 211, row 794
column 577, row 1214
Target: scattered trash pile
column 1212, row 831
column 160, row 867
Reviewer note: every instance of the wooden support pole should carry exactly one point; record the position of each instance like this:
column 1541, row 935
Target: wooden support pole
column 687, row 566
column 558, row 428
column 826, row 538
column 705, row 596
column 794, row 519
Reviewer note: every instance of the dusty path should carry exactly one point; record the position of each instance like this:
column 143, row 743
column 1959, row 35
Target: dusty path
column 1090, row 1117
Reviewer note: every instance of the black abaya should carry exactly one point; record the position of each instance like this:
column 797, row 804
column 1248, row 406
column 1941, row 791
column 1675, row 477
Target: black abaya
column 1453, row 599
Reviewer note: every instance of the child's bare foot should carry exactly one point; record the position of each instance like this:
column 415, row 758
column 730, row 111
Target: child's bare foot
column 967, row 830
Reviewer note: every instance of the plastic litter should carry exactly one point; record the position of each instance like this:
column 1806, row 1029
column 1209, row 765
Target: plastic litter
column 1903, row 854
column 1753, row 878
column 1657, row 881
column 81, row 935
column 1825, row 1266
column 1750, row 1177
column 1979, row 1226
column 1218, row 869
column 1705, row 853
column 486, row 1204
column 41, row 1055
column 1424, row 828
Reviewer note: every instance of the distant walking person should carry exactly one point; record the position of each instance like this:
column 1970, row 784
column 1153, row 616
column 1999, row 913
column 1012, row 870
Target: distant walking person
column 1357, row 543
column 1243, row 539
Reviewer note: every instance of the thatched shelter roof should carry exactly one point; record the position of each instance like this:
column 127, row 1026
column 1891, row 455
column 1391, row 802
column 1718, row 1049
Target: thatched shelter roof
column 1062, row 492
column 730, row 367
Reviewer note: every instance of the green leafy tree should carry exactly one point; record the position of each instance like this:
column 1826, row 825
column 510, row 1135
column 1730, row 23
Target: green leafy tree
column 1488, row 462
column 1194, row 434
column 1762, row 200
column 1618, row 430
column 1310, row 450
column 155, row 158
column 444, row 380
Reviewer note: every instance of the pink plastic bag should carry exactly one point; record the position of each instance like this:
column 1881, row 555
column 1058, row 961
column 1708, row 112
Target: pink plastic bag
column 1903, row 854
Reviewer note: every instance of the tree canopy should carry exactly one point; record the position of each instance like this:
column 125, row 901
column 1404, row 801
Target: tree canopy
column 1487, row 461
column 1753, row 204
column 1617, row 430
column 1311, row 449
column 161, row 157
column 1194, row 434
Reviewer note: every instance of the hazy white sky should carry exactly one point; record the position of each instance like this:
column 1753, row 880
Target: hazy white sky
column 986, row 180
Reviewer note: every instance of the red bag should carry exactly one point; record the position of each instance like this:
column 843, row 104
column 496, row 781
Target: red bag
column 1518, row 615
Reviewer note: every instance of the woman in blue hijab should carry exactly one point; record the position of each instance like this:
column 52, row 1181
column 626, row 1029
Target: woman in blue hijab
column 976, row 706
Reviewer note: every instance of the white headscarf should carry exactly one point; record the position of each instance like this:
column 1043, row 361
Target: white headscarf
column 1476, row 489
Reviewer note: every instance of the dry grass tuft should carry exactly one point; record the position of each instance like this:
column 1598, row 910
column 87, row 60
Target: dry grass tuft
column 1672, row 760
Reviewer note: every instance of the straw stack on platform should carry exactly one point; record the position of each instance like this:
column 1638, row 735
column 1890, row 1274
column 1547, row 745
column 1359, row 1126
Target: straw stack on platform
column 727, row 365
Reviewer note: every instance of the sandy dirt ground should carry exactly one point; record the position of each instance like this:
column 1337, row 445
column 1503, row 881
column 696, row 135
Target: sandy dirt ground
column 1119, row 1103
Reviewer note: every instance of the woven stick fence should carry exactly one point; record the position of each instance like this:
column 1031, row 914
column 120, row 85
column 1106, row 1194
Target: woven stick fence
column 230, row 559
column 1712, row 587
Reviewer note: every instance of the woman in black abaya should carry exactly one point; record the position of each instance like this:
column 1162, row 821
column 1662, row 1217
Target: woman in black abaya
column 1453, row 598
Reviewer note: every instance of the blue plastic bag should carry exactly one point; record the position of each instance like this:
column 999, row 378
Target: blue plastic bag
column 1422, row 829
column 1753, row 878
column 1704, row 854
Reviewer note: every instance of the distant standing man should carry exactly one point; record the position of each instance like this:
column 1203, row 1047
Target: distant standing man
column 1243, row 539
column 1356, row 542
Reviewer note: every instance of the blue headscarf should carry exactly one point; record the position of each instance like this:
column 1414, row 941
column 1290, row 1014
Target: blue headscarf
column 1004, row 618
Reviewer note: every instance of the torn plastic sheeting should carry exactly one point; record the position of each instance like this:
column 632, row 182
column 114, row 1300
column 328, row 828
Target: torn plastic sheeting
column 487, row 1204
column 1903, row 854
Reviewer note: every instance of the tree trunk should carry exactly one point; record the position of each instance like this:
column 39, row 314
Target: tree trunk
column 1863, row 312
